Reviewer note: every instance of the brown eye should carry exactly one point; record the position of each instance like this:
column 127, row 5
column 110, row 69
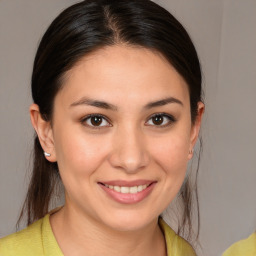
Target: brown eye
column 161, row 120
column 157, row 120
column 95, row 121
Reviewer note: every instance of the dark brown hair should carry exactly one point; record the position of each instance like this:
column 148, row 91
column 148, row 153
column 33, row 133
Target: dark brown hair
column 82, row 29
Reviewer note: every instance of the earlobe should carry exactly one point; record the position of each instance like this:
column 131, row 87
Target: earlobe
column 195, row 129
column 44, row 132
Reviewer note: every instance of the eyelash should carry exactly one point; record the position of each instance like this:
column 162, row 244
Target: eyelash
column 95, row 115
column 170, row 118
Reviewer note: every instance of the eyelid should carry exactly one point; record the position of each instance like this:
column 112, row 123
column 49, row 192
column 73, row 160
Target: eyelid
column 171, row 118
column 85, row 118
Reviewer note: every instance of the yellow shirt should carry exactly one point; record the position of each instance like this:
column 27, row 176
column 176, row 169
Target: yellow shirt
column 38, row 239
column 246, row 247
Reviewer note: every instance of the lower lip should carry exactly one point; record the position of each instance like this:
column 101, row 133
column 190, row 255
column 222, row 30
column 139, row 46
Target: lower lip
column 128, row 198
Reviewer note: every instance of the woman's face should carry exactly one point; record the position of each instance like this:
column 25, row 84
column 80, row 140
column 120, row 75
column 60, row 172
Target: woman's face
column 121, row 134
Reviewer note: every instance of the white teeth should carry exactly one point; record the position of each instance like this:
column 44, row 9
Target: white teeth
column 133, row 190
column 117, row 188
column 140, row 188
column 126, row 190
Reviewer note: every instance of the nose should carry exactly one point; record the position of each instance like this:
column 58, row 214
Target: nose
column 129, row 151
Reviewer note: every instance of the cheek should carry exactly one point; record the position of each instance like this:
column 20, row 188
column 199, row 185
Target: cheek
column 78, row 154
column 172, row 155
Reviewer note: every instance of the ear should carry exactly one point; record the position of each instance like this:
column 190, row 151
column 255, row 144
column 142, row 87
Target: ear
column 195, row 129
column 44, row 132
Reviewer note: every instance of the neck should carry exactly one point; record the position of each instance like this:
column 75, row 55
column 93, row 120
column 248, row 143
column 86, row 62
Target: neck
column 77, row 236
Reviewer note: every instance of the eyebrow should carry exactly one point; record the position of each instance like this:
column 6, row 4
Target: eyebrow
column 108, row 106
column 94, row 103
column 163, row 102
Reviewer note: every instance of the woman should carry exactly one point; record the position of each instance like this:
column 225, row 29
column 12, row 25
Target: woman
column 117, row 110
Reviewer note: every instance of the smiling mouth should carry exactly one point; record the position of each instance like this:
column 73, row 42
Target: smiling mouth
column 127, row 190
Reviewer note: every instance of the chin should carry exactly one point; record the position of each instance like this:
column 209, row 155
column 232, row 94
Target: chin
column 129, row 221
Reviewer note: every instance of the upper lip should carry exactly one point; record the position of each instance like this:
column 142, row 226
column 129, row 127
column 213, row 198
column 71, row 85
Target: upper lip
column 125, row 183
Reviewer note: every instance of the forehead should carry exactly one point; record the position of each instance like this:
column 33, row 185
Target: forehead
column 123, row 74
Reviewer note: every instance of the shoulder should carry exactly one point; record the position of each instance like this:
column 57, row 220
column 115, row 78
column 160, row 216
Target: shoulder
column 246, row 247
column 25, row 242
column 175, row 244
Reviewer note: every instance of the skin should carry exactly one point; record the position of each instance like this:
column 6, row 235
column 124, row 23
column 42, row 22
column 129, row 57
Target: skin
column 128, row 145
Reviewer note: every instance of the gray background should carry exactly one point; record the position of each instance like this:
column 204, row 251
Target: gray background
column 224, row 34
